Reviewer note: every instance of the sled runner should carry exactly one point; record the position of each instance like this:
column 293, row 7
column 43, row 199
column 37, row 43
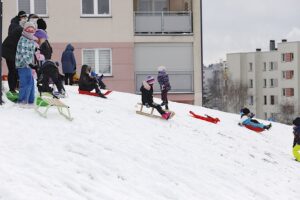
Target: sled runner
column 46, row 102
column 141, row 112
column 205, row 118
column 107, row 92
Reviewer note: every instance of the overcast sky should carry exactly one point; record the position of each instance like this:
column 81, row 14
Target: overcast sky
column 243, row 25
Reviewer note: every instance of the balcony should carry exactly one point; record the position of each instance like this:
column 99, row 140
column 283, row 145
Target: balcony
column 163, row 22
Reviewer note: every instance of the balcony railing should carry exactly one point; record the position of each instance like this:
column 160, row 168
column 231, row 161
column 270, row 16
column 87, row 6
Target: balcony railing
column 166, row 22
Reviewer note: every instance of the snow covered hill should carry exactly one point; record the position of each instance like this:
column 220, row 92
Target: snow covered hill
column 108, row 152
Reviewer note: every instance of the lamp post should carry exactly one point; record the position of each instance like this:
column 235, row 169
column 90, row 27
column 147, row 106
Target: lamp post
column 1, row 102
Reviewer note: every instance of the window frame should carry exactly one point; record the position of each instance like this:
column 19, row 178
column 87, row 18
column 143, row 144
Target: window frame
column 97, row 49
column 32, row 7
column 95, row 15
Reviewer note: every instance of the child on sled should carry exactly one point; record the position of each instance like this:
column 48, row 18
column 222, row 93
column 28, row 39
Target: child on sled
column 87, row 82
column 246, row 120
column 147, row 97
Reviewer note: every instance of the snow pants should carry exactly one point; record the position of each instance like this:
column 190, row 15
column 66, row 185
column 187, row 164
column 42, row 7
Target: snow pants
column 296, row 152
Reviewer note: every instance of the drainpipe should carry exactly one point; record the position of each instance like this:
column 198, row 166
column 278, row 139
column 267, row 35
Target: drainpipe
column 1, row 102
column 201, row 49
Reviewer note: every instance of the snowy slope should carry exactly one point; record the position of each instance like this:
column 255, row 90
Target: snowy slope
column 108, row 152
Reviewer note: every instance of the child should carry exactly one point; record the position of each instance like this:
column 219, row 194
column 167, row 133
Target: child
column 246, row 119
column 163, row 80
column 296, row 144
column 24, row 57
column 147, row 97
column 88, row 82
column 99, row 79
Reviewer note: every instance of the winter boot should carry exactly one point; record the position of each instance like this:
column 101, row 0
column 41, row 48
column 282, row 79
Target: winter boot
column 163, row 103
column 102, row 95
column 167, row 107
column 166, row 116
column 268, row 126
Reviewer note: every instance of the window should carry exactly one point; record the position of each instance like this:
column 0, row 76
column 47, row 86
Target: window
column 265, row 67
column 38, row 7
column 287, row 57
column 273, row 100
column 99, row 59
column 288, row 74
column 250, row 67
column 272, row 65
column 91, row 8
column 265, row 83
column 153, row 5
column 265, row 100
column 273, row 82
column 250, row 83
column 288, row 92
column 251, row 100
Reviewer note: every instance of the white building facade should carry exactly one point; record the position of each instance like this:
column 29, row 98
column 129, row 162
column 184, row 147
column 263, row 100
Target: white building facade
column 272, row 78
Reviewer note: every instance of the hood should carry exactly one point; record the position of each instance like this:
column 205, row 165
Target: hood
column 69, row 47
column 161, row 72
column 15, row 20
column 84, row 69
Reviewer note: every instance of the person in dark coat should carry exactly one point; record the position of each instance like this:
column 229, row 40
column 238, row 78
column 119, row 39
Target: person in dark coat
column 87, row 82
column 17, row 21
column 296, row 143
column 68, row 64
column 147, row 97
column 9, row 49
column 164, row 83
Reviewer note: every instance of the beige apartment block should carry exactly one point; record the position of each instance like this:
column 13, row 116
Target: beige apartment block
column 272, row 78
column 126, row 40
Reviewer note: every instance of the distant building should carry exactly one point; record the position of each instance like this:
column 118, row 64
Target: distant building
column 126, row 40
column 213, row 82
column 272, row 77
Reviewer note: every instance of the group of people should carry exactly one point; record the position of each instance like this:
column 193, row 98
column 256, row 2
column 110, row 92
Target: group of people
column 28, row 54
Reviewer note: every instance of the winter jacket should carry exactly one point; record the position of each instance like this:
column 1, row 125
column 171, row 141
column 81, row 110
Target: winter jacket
column 147, row 93
column 9, row 45
column 296, row 135
column 46, row 50
column 14, row 23
column 86, row 82
column 163, row 80
column 68, row 60
column 245, row 120
column 25, row 52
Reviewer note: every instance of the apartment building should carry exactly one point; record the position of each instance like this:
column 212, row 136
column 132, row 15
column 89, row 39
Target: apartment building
column 272, row 78
column 126, row 40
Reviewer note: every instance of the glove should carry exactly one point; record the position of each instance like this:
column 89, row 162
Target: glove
column 252, row 115
column 147, row 105
column 162, row 87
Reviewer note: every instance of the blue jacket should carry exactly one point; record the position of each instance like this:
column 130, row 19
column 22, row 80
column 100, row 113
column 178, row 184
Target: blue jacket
column 68, row 61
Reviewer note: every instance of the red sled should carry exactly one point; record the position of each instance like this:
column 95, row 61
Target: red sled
column 93, row 93
column 206, row 118
column 256, row 129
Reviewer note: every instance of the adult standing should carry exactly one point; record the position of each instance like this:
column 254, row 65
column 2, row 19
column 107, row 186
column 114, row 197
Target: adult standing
column 68, row 64
column 9, row 48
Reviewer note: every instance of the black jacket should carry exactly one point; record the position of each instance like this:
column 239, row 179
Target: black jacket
column 296, row 135
column 147, row 93
column 14, row 23
column 86, row 82
column 9, row 45
column 46, row 50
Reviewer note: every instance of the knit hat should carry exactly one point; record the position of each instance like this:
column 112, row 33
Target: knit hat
column 245, row 111
column 29, row 27
column 41, row 34
column 22, row 14
column 296, row 121
column 161, row 68
column 150, row 79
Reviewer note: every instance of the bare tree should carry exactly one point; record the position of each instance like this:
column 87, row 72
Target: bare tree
column 287, row 110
